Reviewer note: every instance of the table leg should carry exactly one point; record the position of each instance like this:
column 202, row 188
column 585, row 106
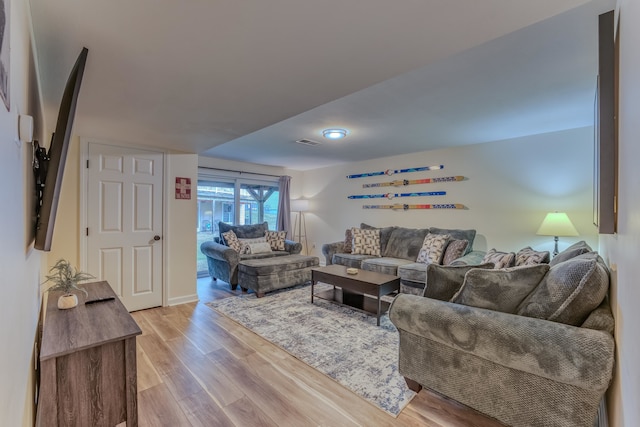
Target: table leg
column 313, row 283
column 379, row 308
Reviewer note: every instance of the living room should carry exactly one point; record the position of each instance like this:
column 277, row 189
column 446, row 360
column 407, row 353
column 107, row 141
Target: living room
column 510, row 186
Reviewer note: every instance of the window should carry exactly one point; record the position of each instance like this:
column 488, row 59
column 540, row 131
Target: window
column 257, row 201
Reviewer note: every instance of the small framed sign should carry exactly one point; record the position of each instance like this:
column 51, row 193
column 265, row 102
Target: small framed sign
column 183, row 188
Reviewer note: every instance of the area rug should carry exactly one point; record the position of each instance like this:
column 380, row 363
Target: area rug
column 342, row 343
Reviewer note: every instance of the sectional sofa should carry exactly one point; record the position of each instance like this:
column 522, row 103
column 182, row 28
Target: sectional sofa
column 399, row 250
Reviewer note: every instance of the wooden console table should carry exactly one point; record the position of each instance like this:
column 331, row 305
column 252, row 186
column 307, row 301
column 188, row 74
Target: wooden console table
column 88, row 362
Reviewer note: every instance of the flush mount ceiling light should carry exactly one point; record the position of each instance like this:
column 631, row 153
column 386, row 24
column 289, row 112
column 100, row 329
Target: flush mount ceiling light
column 334, row 133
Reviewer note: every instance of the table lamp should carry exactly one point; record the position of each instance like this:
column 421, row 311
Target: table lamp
column 557, row 224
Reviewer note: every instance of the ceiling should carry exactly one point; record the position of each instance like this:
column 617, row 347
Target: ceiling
column 243, row 80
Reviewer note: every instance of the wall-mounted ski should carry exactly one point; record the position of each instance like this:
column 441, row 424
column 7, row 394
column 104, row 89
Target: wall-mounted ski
column 392, row 195
column 400, row 182
column 404, row 207
column 393, row 171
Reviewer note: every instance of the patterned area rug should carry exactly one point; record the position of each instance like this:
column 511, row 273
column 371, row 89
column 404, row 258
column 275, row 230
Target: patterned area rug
column 340, row 342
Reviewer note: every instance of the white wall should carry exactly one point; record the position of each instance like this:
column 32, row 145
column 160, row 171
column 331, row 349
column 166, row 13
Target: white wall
column 511, row 185
column 181, row 240
column 19, row 264
column 622, row 251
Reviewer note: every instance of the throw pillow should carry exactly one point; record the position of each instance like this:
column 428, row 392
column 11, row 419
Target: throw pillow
column 569, row 292
column 500, row 259
column 385, row 234
column 276, row 239
column 244, row 244
column 527, row 256
column 258, row 248
column 572, row 251
column 457, row 234
column 455, row 249
column 232, row 241
column 366, row 242
column 499, row 290
column 348, row 241
column 443, row 282
column 433, row 248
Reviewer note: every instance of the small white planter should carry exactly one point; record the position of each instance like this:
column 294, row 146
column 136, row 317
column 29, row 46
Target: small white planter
column 67, row 301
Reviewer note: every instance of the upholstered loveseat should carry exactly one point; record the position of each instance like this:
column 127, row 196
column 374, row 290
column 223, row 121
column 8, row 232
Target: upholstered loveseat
column 529, row 346
column 398, row 253
column 223, row 260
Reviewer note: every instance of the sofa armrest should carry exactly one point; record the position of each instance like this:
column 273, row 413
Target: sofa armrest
column 292, row 247
column 472, row 258
column 567, row 354
column 328, row 249
column 220, row 252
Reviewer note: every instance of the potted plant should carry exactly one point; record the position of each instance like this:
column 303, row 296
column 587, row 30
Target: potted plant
column 65, row 278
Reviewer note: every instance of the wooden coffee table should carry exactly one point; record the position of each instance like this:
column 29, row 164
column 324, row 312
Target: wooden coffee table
column 355, row 290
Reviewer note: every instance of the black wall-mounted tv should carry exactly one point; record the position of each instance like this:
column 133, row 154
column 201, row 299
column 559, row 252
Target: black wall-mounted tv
column 49, row 167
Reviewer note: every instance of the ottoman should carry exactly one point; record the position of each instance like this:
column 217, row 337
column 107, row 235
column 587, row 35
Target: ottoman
column 268, row 274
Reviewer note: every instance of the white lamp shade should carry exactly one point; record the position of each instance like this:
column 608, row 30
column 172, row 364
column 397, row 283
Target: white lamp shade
column 557, row 224
column 299, row 205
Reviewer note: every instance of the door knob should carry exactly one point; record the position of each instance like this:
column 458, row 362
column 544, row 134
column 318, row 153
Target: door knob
column 156, row 237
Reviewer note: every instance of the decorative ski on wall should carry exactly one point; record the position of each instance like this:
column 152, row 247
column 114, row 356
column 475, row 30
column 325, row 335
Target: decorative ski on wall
column 392, row 195
column 404, row 207
column 394, row 171
column 400, row 182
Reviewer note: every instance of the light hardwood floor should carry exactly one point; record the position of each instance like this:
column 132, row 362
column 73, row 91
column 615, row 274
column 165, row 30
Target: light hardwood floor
column 199, row 368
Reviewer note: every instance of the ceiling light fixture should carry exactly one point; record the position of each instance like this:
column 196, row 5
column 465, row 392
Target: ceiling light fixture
column 334, row 133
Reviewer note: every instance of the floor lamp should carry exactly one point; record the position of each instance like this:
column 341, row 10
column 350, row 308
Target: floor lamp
column 300, row 226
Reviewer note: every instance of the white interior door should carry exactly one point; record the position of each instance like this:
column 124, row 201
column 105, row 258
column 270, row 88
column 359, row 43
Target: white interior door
column 124, row 222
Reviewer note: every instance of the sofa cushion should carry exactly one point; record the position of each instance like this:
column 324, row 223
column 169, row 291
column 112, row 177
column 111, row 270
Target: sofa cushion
column 366, row 241
column 457, row 234
column 349, row 260
column 499, row 290
column 385, row 234
column 432, row 249
column 249, row 231
column 276, row 239
column 572, row 251
column 232, row 241
column 348, row 241
column 385, row 265
column 405, row 243
column 444, row 281
column 569, row 292
column 413, row 272
column 455, row 249
column 527, row 256
column 500, row 259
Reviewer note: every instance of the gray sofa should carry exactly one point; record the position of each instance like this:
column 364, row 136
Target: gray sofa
column 544, row 361
column 399, row 249
column 223, row 261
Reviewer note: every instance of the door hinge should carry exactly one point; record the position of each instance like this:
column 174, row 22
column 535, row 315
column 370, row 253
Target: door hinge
column 87, row 163
column 87, row 231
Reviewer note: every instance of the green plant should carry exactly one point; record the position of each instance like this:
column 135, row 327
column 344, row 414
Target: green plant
column 65, row 278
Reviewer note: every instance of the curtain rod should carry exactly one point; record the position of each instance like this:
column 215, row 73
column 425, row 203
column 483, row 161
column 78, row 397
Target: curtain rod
column 239, row 172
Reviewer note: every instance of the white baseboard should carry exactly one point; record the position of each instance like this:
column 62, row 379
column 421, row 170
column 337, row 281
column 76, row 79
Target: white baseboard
column 183, row 300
